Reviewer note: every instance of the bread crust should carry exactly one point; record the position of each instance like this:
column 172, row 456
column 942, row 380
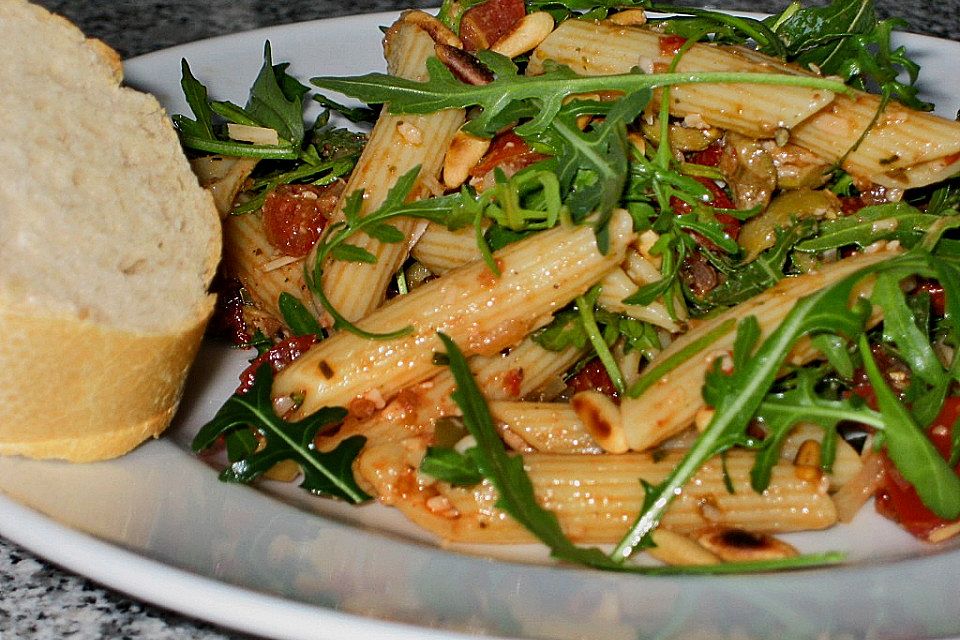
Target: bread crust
column 80, row 391
column 79, row 382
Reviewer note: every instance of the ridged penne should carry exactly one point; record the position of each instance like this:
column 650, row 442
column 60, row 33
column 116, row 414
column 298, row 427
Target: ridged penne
column 672, row 402
column 441, row 250
column 905, row 148
column 591, row 48
column 522, row 371
column 549, row 427
column 263, row 271
column 481, row 312
column 397, row 144
column 596, row 498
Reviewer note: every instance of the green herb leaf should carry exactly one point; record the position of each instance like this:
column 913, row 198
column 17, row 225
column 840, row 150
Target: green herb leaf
column 297, row 316
column 909, row 448
column 506, row 472
column 327, row 474
column 449, row 465
column 442, row 90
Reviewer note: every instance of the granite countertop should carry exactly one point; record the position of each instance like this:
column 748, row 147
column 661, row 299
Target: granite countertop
column 38, row 600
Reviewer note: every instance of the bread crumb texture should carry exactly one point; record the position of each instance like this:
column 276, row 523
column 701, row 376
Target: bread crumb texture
column 100, row 215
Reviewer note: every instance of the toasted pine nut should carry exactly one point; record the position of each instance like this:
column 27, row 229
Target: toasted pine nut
column 434, row 28
column 526, row 34
column 808, row 454
column 676, row 549
column 601, row 418
column 629, row 18
column 464, row 153
column 737, row 545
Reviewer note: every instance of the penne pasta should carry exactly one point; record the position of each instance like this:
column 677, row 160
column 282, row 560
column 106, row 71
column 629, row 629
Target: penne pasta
column 263, row 271
column 591, row 48
column 396, row 145
column 904, row 149
column 671, row 403
column 503, row 378
column 596, row 498
column 481, row 312
column 441, row 250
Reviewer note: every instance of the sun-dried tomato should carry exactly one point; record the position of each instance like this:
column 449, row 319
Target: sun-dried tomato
column 294, row 215
column 279, row 356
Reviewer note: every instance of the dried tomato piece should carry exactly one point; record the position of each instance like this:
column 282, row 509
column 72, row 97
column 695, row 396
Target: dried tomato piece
column 279, row 356
column 509, row 152
column 294, row 215
column 898, row 500
column 721, row 201
column 593, row 377
column 487, row 22
column 670, row 44
column 709, row 157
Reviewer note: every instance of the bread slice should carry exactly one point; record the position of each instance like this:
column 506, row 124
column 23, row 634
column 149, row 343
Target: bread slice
column 107, row 248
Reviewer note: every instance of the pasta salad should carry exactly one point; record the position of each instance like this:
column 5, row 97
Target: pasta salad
column 669, row 283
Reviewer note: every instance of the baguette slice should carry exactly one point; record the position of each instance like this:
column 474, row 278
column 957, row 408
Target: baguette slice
column 107, row 248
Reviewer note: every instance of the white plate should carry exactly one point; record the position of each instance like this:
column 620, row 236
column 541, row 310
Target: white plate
column 158, row 525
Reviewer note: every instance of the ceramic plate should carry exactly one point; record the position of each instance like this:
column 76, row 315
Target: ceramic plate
column 158, row 525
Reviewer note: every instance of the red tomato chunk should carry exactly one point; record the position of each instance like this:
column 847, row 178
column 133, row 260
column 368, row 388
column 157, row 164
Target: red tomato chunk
column 294, row 216
column 898, row 500
column 279, row 356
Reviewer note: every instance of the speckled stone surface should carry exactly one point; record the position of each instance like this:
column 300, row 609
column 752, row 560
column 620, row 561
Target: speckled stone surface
column 39, row 601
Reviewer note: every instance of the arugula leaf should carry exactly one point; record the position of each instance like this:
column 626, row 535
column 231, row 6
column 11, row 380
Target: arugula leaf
column 276, row 100
column 827, row 310
column 297, row 316
column 780, row 412
column 845, row 38
column 911, row 451
column 898, row 220
column 746, row 281
column 442, row 90
column 356, row 115
column 327, row 474
column 506, row 472
column 449, row 465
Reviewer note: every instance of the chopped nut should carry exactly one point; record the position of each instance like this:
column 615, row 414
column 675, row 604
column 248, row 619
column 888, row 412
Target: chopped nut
column 464, row 153
column 463, row 65
column 737, row 545
column 601, row 418
column 410, row 133
column 629, row 18
column 434, row 28
column 525, row 35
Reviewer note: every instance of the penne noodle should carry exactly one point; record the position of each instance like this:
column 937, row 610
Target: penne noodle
column 481, row 312
column 548, row 427
column 757, row 111
column 596, row 498
column 522, row 371
column 262, row 270
column 396, row 145
column 672, row 402
column 906, row 148
column 440, row 249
